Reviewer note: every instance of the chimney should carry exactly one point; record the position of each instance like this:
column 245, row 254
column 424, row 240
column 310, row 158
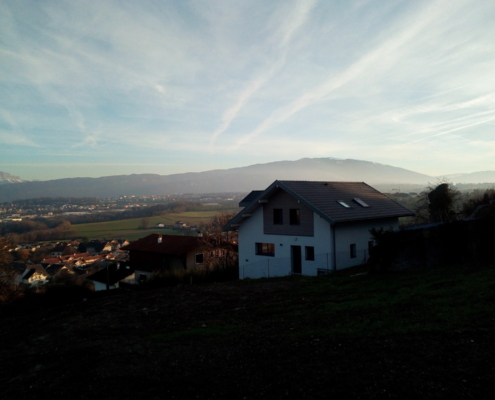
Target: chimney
column 160, row 239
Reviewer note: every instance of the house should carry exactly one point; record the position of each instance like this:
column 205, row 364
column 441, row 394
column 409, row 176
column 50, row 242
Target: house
column 162, row 253
column 35, row 275
column 58, row 250
column 111, row 275
column 308, row 228
column 114, row 245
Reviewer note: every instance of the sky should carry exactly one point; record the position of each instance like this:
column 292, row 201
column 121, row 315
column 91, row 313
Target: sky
column 99, row 88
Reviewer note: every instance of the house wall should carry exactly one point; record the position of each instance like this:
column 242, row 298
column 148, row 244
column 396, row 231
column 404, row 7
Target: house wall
column 286, row 202
column 154, row 261
column 252, row 265
column 252, row 231
column 103, row 286
column 357, row 233
column 191, row 259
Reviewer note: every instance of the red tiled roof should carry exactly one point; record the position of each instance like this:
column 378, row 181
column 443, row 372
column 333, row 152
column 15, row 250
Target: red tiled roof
column 53, row 260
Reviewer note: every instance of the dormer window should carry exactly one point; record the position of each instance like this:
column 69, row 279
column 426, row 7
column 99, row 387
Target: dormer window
column 360, row 202
column 278, row 216
column 343, row 203
column 294, row 216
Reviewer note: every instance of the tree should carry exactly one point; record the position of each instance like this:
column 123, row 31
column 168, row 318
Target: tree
column 438, row 203
column 8, row 287
column 145, row 223
column 479, row 200
column 220, row 248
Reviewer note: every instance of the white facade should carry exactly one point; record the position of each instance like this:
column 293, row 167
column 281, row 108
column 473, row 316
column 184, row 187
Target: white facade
column 331, row 247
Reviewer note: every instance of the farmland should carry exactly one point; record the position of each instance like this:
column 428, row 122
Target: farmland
column 130, row 228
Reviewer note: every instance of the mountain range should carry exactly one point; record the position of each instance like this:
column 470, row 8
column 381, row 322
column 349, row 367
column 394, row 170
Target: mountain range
column 242, row 179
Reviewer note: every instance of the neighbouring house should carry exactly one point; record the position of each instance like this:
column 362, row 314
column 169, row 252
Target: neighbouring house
column 304, row 227
column 110, row 277
column 35, row 275
column 95, row 246
column 58, row 250
column 159, row 253
column 114, row 245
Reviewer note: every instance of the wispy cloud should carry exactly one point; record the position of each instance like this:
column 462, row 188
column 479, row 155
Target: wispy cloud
column 292, row 20
column 216, row 83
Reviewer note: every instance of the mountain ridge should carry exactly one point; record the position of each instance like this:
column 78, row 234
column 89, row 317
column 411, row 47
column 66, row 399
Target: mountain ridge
column 238, row 179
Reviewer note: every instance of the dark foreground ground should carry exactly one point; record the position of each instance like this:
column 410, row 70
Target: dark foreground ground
column 238, row 341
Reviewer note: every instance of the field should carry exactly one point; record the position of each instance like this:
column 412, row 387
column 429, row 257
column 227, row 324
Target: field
column 129, row 228
column 425, row 333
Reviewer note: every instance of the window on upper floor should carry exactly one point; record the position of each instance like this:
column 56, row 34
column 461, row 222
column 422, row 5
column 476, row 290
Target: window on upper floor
column 360, row 202
column 199, row 258
column 278, row 216
column 294, row 216
column 343, row 203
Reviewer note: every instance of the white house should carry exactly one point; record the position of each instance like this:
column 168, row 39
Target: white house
column 304, row 227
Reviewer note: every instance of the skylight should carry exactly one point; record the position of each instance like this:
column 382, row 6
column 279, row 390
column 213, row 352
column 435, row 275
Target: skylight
column 360, row 202
column 343, row 203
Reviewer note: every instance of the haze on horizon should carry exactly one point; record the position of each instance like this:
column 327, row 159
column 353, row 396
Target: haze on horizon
column 110, row 88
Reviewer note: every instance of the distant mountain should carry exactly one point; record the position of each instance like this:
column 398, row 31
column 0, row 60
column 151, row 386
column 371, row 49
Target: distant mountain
column 474, row 177
column 243, row 179
column 5, row 178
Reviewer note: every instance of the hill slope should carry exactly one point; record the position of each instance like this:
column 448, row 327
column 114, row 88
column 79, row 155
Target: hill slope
column 416, row 334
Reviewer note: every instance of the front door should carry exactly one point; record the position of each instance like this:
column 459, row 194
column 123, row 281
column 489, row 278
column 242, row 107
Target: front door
column 296, row 259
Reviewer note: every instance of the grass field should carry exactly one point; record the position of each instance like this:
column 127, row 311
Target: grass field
column 129, row 228
column 425, row 333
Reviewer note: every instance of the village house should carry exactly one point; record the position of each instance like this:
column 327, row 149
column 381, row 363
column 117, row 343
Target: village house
column 110, row 277
column 35, row 275
column 309, row 228
column 159, row 253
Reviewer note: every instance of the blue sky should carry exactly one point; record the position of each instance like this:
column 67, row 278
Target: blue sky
column 97, row 88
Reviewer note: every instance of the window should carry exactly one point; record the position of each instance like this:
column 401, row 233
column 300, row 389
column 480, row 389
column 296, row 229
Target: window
column 343, row 203
column 353, row 250
column 199, row 258
column 310, row 253
column 360, row 202
column 294, row 216
column 265, row 249
column 143, row 278
column 278, row 216
column 370, row 246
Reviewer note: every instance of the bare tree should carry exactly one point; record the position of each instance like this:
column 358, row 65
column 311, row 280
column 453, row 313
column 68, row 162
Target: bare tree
column 8, row 286
column 220, row 248
column 438, row 203
column 145, row 223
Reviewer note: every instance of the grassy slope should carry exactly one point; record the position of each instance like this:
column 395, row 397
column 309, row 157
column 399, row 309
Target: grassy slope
column 423, row 333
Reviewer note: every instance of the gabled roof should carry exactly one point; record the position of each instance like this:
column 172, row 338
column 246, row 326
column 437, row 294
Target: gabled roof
column 170, row 244
column 114, row 274
column 336, row 202
column 249, row 198
column 35, row 268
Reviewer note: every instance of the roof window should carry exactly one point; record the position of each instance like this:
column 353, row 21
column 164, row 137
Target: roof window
column 360, row 202
column 343, row 203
